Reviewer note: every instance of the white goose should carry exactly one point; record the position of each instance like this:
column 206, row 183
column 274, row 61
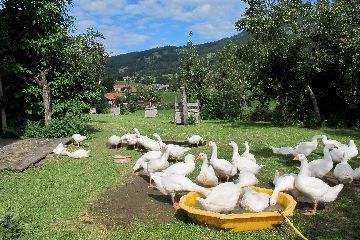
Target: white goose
column 246, row 179
column 195, row 140
column 223, row 198
column 344, row 152
column 80, row 153
column 172, row 184
column 207, row 176
column 253, row 201
column 222, row 167
column 284, row 182
column 305, row 148
column 144, row 159
column 318, row 168
column 60, row 149
column 243, row 163
column 78, row 138
column 182, row 168
column 247, row 154
column 114, row 141
column 159, row 164
column 176, row 151
column 314, row 188
column 344, row 172
column 330, row 143
column 146, row 142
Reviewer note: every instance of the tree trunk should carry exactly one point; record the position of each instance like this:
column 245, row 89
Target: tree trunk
column 314, row 102
column 43, row 83
column 185, row 107
column 2, row 108
column 46, row 100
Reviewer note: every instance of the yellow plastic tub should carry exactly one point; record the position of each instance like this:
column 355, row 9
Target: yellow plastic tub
column 238, row 222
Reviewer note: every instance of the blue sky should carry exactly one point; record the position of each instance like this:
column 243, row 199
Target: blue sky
column 130, row 25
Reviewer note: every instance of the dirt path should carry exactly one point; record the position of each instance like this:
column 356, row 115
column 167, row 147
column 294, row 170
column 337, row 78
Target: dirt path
column 133, row 201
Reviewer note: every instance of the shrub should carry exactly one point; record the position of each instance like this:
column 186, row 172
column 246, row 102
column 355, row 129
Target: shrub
column 11, row 226
column 284, row 118
column 192, row 119
column 310, row 120
column 57, row 128
column 260, row 114
column 132, row 102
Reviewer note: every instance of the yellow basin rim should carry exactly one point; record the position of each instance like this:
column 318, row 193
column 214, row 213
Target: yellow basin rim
column 238, row 222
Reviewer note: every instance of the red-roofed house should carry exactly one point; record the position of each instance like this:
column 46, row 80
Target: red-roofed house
column 118, row 90
column 123, row 88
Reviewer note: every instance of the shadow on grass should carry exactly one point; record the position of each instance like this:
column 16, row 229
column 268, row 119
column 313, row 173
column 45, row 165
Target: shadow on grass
column 337, row 220
column 91, row 129
column 240, row 124
column 267, row 152
column 355, row 134
column 181, row 215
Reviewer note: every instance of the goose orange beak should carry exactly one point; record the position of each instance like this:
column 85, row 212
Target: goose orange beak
column 297, row 157
column 198, row 157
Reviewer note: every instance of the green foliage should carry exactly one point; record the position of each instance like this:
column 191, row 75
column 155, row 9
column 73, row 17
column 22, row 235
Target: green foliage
column 12, row 226
column 149, row 95
column 303, row 55
column 209, row 104
column 192, row 71
column 260, row 114
column 39, row 37
column 64, row 127
column 192, row 119
column 310, row 120
column 132, row 102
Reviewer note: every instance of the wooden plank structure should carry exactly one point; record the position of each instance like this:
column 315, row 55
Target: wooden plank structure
column 21, row 154
column 193, row 110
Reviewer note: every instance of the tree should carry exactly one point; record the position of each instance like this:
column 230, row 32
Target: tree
column 280, row 48
column 41, row 29
column 192, row 71
column 49, row 61
column 231, row 84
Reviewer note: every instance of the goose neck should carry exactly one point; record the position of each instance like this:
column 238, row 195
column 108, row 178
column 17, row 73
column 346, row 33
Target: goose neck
column 213, row 152
column 304, row 169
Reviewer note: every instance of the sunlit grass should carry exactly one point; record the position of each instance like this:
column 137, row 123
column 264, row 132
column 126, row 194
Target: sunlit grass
column 53, row 197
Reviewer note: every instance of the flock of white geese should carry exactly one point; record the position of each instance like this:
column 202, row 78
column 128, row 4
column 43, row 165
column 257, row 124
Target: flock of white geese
column 170, row 179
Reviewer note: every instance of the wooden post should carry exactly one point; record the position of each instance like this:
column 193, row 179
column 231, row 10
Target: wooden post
column 185, row 106
column 175, row 110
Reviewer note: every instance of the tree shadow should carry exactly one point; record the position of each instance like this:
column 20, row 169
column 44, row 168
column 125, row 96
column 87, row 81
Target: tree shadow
column 241, row 124
column 355, row 134
column 91, row 129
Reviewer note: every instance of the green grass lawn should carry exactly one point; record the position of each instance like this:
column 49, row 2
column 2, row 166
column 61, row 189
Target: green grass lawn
column 49, row 201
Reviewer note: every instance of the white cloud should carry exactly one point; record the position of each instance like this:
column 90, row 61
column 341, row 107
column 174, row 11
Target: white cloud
column 106, row 7
column 128, row 23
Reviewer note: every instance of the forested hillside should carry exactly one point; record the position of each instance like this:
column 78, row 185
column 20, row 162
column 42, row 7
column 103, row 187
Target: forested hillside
column 160, row 61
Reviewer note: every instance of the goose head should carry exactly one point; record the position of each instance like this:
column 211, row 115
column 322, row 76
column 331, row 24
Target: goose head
column 300, row 157
column 201, row 156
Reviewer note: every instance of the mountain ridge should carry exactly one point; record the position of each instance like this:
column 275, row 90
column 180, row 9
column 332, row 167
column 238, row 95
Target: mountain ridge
column 159, row 62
